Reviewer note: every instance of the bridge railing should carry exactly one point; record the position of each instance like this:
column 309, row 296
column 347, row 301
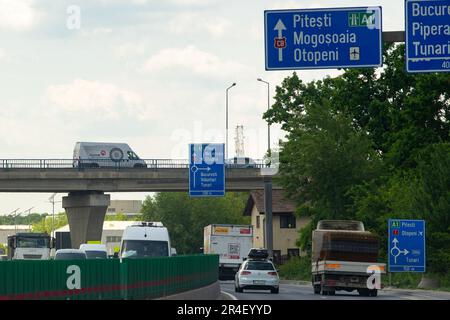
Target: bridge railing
column 110, row 164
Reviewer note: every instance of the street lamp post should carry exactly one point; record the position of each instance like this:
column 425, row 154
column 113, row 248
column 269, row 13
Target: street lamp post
column 226, row 121
column 268, row 107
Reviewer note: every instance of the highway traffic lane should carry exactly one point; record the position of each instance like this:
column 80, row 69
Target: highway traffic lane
column 305, row 292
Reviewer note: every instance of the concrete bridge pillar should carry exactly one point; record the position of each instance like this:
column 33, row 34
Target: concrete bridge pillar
column 86, row 212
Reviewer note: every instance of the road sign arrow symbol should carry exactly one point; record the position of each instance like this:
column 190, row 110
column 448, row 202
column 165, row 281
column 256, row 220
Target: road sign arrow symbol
column 395, row 241
column 280, row 27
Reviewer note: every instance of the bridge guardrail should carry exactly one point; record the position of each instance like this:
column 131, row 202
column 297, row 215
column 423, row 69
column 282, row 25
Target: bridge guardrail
column 109, row 164
column 105, row 279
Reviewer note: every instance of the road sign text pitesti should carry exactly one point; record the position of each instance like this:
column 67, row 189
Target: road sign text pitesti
column 427, row 25
column 323, row 38
column 406, row 247
column 206, row 170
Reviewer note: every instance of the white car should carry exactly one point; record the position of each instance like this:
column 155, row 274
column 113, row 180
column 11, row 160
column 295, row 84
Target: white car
column 70, row 254
column 105, row 154
column 257, row 275
column 94, row 251
column 240, row 162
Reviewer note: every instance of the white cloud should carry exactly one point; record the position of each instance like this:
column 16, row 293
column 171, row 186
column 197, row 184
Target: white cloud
column 96, row 32
column 17, row 14
column 100, row 100
column 190, row 22
column 128, row 50
column 197, row 61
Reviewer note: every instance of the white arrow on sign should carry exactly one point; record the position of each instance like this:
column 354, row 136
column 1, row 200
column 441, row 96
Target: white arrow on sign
column 280, row 27
column 395, row 251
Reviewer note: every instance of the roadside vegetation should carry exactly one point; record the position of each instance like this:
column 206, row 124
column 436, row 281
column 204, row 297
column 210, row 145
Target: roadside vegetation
column 369, row 145
column 186, row 217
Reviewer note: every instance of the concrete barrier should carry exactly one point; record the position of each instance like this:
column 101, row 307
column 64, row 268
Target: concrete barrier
column 211, row 292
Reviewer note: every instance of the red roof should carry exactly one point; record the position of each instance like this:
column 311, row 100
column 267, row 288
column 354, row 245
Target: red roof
column 280, row 204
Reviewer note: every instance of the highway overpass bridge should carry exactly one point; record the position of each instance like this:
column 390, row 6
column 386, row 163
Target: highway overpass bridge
column 86, row 202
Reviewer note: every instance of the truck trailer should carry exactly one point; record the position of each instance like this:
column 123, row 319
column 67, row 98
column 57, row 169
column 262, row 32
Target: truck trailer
column 345, row 257
column 231, row 242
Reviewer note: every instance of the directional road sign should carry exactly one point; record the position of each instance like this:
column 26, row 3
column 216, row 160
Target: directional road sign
column 323, row 38
column 406, row 245
column 206, row 170
column 427, row 35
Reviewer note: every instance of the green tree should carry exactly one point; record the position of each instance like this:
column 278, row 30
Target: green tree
column 47, row 224
column 186, row 217
column 369, row 144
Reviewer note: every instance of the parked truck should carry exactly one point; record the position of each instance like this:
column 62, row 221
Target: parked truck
column 231, row 242
column 345, row 257
column 30, row 246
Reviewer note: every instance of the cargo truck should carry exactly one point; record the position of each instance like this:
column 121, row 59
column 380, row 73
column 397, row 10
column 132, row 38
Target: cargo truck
column 231, row 242
column 344, row 257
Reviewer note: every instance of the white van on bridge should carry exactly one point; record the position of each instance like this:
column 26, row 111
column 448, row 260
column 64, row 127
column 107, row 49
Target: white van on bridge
column 104, row 154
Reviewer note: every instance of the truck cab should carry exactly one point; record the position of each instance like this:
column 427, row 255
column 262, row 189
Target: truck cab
column 145, row 240
column 30, row 246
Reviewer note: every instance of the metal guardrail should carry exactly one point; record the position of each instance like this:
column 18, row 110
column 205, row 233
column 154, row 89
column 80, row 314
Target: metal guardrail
column 109, row 164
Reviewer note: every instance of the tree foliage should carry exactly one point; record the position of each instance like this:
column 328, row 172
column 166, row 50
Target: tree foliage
column 370, row 145
column 186, row 217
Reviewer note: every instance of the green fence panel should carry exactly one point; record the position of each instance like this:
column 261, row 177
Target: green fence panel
column 106, row 279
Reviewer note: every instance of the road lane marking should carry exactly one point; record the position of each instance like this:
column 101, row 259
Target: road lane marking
column 229, row 294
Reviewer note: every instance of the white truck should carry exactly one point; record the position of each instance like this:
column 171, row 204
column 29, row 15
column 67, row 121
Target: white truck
column 30, row 246
column 144, row 240
column 231, row 242
column 345, row 257
column 105, row 154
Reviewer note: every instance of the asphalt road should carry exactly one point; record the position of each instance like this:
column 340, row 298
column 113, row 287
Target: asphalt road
column 305, row 292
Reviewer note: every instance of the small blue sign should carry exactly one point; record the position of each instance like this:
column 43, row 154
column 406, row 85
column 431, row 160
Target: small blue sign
column 323, row 38
column 406, row 245
column 206, row 170
column 427, row 25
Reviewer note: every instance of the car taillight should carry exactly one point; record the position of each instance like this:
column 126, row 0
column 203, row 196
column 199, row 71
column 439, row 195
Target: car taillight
column 272, row 273
column 245, row 273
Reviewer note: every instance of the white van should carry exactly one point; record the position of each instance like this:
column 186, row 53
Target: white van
column 94, row 251
column 104, row 154
column 145, row 239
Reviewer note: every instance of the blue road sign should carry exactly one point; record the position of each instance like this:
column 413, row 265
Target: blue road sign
column 206, row 170
column 406, row 245
column 427, row 25
column 323, row 38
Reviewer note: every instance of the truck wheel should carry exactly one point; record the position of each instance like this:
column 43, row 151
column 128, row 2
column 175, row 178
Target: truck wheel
column 116, row 154
column 364, row 292
column 275, row 290
column 373, row 292
column 317, row 289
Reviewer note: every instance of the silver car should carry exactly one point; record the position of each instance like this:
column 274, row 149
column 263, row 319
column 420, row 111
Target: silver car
column 257, row 274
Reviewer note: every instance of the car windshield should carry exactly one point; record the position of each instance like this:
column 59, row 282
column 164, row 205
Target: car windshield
column 96, row 254
column 144, row 248
column 70, row 256
column 33, row 242
column 259, row 265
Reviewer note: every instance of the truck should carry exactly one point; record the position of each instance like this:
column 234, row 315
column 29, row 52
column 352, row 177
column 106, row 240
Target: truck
column 145, row 240
column 345, row 257
column 231, row 242
column 104, row 155
column 30, row 246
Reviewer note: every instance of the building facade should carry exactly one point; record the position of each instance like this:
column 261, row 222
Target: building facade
column 286, row 225
column 10, row 230
column 130, row 208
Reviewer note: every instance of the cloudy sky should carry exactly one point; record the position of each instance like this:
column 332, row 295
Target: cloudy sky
column 150, row 73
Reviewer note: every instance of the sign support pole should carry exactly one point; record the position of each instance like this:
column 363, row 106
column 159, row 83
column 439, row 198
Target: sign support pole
column 268, row 212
